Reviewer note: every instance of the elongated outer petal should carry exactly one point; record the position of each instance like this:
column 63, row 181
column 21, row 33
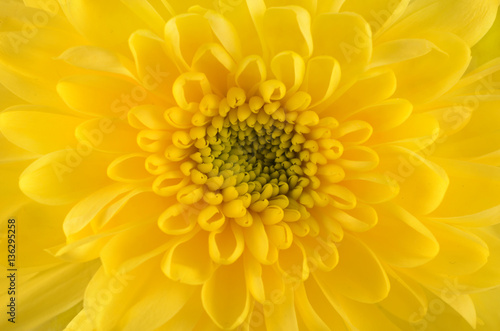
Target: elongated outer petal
column 225, row 296
column 466, row 180
column 188, row 261
column 489, row 274
column 359, row 274
column 161, row 302
column 97, row 58
column 423, row 184
column 460, row 252
column 399, row 238
column 428, row 76
column 64, row 176
column 288, row 29
column 30, row 39
column 51, row 292
column 33, row 127
column 112, row 31
column 284, row 315
column 346, row 37
column 470, row 20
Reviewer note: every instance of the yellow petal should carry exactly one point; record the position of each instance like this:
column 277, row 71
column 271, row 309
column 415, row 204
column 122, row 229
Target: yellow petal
column 485, row 50
column 399, row 238
column 111, row 96
column 406, row 300
column 153, row 16
column 156, row 70
column 40, row 235
column 97, row 58
column 375, row 86
column 226, row 247
column 372, row 187
column 111, row 32
column 189, row 89
column 257, row 241
column 129, row 168
column 188, row 260
column 119, row 290
column 225, row 296
column 246, row 16
column 355, row 315
column 86, row 209
column 289, row 68
column 147, row 117
column 292, row 262
column 304, row 308
column 469, row 20
column 489, row 274
column 426, row 77
column 30, row 41
column 385, row 115
column 486, row 311
column 214, row 61
column 33, row 127
column 251, row 72
column 61, row 287
column 379, row 14
column 119, row 255
column 347, row 38
column 361, row 218
column 288, row 29
column 184, row 34
column 188, row 316
column 64, row 176
column 163, row 300
column 396, row 51
column 358, row 275
column 460, row 252
column 283, row 315
column 108, row 135
column 423, row 184
column 466, row 180
column 321, row 78
column 479, row 134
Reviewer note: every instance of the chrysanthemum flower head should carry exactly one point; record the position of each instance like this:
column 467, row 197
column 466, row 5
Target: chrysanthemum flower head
column 253, row 165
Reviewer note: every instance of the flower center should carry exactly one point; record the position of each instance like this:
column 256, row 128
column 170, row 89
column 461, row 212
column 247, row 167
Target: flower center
column 262, row 155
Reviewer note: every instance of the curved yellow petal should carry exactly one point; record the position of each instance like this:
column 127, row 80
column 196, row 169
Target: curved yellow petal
column 466, row 180
column 359, row 274
column 375, row 86
column 162, row 301
column 347, row 38
column 188, row 260
column 64, row 176
column 380, row 14
column 33, row 127
column 111, row 96
column 111, row 32
column 460, row 252
column 423, row 184
column 97, row 58
column 107, row 135
column 469, row 20
column 321, row 78
column 385, row 115
column 399, row 238
column 184, row 34
column 288, row 29
column 225, row 296
column 429, row 76
column 155, row 69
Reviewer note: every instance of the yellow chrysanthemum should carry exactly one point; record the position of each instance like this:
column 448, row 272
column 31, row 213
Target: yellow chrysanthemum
column 250, row 165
